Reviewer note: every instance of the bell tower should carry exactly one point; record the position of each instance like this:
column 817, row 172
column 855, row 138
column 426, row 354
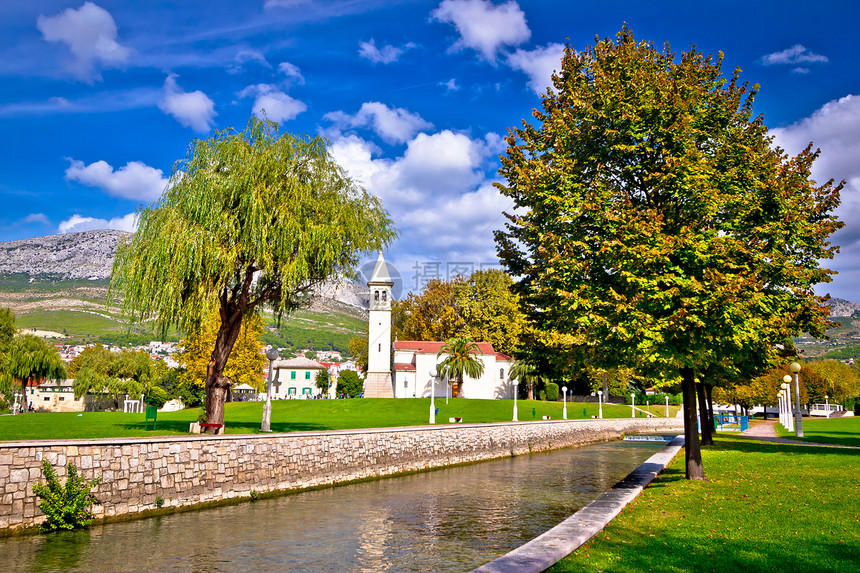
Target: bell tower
column 378, row 383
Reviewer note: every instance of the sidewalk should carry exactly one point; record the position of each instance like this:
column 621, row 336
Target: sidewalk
column 765, row 431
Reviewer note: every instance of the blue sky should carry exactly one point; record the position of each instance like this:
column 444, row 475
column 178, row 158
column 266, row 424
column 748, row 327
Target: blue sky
column 98, row 100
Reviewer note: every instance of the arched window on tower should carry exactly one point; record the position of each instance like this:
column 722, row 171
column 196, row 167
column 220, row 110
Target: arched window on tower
column 376, row 296
column 380, row 347
column 384, row 296
column 501, row 373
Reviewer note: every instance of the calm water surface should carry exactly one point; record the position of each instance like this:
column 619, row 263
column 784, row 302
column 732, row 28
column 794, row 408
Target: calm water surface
column 447, row 520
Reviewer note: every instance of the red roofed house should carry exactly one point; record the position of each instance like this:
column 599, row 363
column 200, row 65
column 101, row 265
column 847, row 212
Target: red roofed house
column 415, row 359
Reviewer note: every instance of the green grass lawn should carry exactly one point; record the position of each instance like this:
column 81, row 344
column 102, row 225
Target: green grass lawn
column 841, row 431
column 767, row 507
column 293, row 416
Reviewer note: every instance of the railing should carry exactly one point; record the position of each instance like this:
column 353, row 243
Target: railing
column 824, row 409
column 731, row 423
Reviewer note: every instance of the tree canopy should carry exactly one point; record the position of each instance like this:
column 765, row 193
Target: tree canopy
column 657, row 226
column 249, row 219
column 130, row 373
column 481, row 306
column 29, row 359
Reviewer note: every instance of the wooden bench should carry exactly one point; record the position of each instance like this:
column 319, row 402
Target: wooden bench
column 219, row 428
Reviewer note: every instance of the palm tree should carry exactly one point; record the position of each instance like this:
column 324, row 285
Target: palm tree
column 462, row 360
column 526, row 373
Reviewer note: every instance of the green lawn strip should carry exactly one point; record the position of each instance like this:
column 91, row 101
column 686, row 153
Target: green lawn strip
column 767, row 507
column 292, row 416
column 839, row 431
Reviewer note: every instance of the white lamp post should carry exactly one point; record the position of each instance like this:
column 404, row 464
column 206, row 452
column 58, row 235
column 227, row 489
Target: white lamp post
column 432, row 392
column 827, row 404
column 265, row 426
column 600, row 403
column 564, row 409
column 632, row 405
column 786, row 388
column 781, row 398
column 798, row 417
column 667, row 406
column 515, row 400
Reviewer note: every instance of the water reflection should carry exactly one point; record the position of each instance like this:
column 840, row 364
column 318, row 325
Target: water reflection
column 448, row 520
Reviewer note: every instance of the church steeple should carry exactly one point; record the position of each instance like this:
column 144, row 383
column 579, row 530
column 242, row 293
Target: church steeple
column 378, row 383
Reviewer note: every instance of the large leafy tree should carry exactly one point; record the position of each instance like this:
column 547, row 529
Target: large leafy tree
column 657, row 227
column 130, row 373
column 461, row 360
column 249, row 219
column 29, row 359
column 481, row 306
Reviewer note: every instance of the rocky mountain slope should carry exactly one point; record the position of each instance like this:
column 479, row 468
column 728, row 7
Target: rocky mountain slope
column 87, row 255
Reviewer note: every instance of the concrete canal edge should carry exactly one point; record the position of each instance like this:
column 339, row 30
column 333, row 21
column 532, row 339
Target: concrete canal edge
column 174, row 473
column 549, row 548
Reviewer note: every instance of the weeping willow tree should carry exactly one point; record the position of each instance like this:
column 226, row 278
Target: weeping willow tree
column 250, row 219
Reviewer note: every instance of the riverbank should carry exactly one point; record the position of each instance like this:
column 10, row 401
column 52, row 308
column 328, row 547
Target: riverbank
column 765, row 506
column 192, row 470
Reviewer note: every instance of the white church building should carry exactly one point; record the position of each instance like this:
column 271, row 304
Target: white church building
column 408, row 373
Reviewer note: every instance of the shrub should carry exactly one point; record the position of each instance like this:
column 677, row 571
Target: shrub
column 542, row 395
column 156, row 396
column 349, row 383
column 65, row 506
column 159, row 502
column 551, row 391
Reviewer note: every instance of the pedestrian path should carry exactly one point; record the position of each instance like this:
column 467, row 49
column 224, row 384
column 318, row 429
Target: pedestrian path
column 765, row 431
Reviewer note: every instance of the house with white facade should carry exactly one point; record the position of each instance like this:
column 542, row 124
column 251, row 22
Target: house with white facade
column 295, row 378
column 414, row 360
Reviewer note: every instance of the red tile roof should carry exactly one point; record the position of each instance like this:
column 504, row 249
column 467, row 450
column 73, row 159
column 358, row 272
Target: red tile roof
column 429, row 347
column 404, row 367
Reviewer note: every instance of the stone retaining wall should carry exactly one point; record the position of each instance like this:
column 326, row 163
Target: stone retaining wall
column 189, row 470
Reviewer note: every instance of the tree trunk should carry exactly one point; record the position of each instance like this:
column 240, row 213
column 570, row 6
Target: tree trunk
column 605, row 379
column 216, row 383
column 692, row 451
column 706, row 426
column 455, row 389
column 709, row 390
column 531, row 386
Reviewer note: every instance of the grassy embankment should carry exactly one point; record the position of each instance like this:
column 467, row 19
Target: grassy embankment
column 294, row 416
column 839, row 431
column 766, row 507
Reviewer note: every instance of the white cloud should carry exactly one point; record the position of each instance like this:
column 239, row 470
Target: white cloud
column 835, row 129
column 538, row 64
column 77, row 223
column 192, row 109
column 393, row 125
column 797, row 54
column 483, row 26
column 36, row 218
column 291, row 71
column 385, row 55
column 91, row 36
column 277, row 105
column 244, row 56
column 437, row 193
column 450, row 85
column 134, row 181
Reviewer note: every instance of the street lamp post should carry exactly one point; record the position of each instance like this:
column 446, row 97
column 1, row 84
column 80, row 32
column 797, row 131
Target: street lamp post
column 827, row 404
column 432, row 392
column 667, row 406
column 798, row 417
column 779, row 404
column 632, row 405
column 564, row 410
column 265, row 426
column 786, row 388
column 515, row 401
column 600, row 403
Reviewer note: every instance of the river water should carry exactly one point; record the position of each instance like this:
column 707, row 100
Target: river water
column 452, row 519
